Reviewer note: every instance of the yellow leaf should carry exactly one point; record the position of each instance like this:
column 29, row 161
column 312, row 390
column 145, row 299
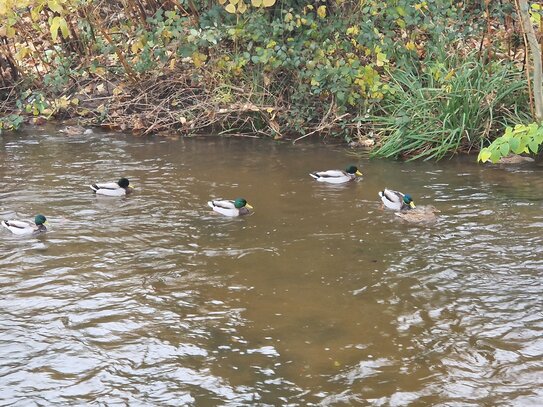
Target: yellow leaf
column 354, row 30
column 242, row 7
column 55, row 25
column 54, row 6
column 268, row 3
column 35, row 12
column 172, row 64
column 62, row 103
column 234, row 2
column 198, row 59
column 450, row 75
column 83, row 112
column 231, row 8
column 22, row 53
column 256, row 3
column 75, row 101
column 64, row 28
column 410, row 46
column 136, row 46
column 221, row 2
column 288, row 17
column 321, row 11
column 381, row 59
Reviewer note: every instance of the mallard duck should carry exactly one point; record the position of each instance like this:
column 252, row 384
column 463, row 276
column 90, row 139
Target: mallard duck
column 337, row 176
column 119, row 188
column 18, row 227
column 396, row 200
column 421, row 214
column 238, row 207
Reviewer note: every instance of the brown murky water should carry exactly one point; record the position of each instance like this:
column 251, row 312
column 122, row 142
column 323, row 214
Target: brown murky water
column 318, row 298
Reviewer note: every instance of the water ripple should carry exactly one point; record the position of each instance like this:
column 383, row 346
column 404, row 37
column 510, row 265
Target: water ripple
column 320, row 298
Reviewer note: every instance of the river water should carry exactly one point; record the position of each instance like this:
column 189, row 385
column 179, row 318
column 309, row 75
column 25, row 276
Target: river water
column 320, row 298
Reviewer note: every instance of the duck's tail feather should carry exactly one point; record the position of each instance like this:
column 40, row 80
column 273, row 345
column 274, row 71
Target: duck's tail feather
column 314, row 175
column 94, row 187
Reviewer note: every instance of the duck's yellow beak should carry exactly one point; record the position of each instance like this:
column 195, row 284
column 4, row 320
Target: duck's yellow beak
column 358, row 173
column 46, row 222
column 248, row 206
column 412, row 204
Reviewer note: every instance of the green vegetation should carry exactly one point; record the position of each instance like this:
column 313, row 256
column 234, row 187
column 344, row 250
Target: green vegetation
column 448, row 108
column 521, row 139
column 410, row 78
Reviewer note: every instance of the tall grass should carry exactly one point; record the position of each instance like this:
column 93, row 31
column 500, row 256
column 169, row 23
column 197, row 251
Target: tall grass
column 447, row 108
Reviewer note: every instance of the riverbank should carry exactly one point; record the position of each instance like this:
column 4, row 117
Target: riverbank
column 378, row 75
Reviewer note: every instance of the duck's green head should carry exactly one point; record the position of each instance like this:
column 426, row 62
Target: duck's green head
column 408, row 200
column 123, row 182
column 241, row 202
column 353, row 170
column 40, row 220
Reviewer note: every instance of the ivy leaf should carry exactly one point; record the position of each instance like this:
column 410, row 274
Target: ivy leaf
column 504, row 149
column 268, row 3
column 495, row 156
column 514, row 143
column 484, row 155
column 534, row 146
column 231, row 8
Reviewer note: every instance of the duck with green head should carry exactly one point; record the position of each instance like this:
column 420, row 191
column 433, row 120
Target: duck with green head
column 396, row 200
column 18, row 227
column 119, row 188
column 237, row 207
column 337, row 176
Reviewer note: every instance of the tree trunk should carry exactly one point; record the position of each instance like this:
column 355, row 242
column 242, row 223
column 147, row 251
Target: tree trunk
column 535, row 51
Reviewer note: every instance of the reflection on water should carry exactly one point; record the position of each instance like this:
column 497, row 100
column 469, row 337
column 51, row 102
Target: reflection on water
column 319, row 298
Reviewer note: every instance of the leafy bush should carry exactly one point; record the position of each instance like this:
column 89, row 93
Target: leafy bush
column 518, row 140
column 10, row 122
